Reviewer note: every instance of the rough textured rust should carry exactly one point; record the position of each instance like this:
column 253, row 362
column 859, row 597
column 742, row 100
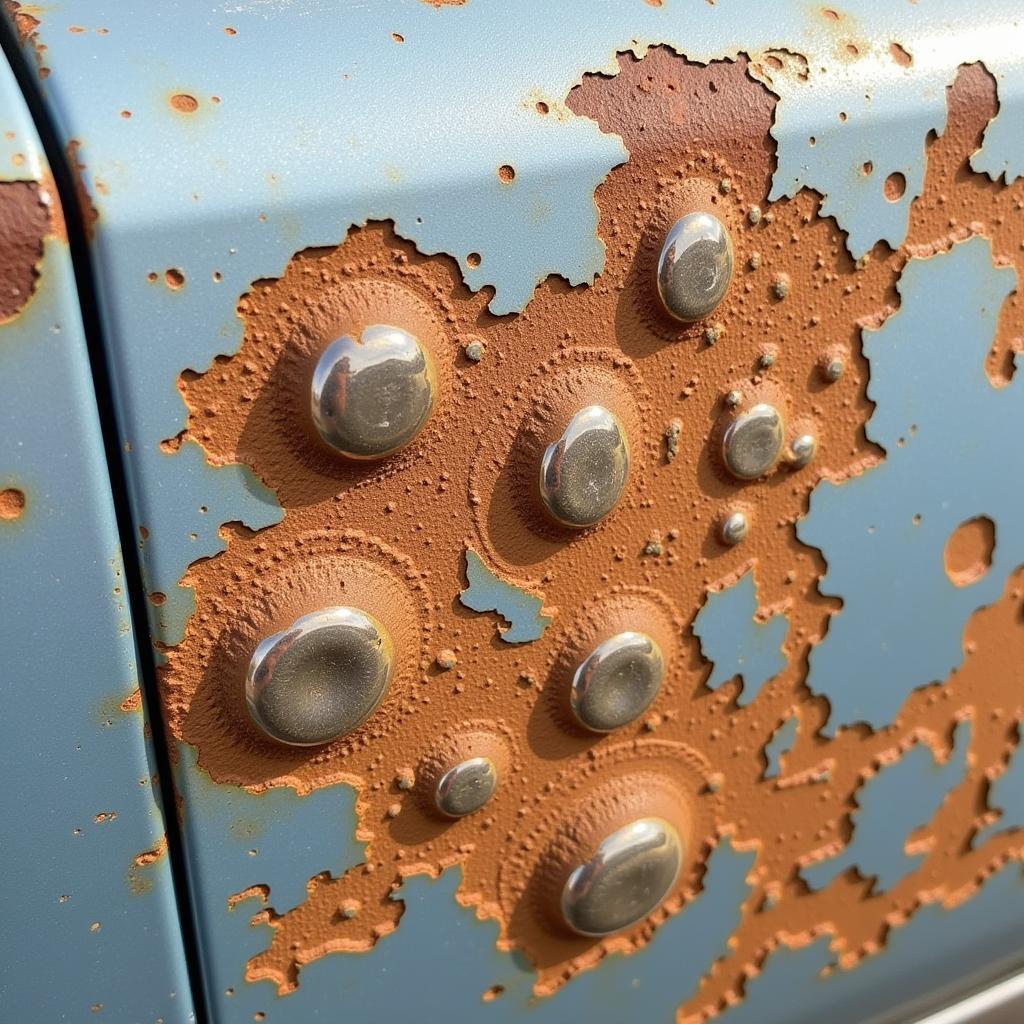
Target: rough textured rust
column 12, row 503
column 24, row 222
column 26, row 22
column 86, row 208
column 394, row 535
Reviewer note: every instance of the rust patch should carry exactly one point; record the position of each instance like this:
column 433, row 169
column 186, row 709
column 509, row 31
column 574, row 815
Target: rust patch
column 132, row 703
column 26, row 24
column 394, row 526
column 24, row 223
column 140, row 881
column 86, row 208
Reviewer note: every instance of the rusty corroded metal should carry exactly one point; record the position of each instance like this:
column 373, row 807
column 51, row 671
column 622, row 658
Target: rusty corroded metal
column 857, row 651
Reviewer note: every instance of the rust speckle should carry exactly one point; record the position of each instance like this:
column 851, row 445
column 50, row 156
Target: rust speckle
column 397, row 37
column 506, row 174
column 12, row 503
column 229, row 31
column 174, row 278
column 183, row 103
column 132, row 703
column 900, row 55
column 157, row 598
column 473, row 260
column 139, row 880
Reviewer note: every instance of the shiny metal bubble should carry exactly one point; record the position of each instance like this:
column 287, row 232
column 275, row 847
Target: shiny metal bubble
column 319, row 678
column 630, row 873
column 735, row 528
column 466, row 787
column 753, row 442
column 802, row 450
column 695, row 266
column 584, row 472
column 617, row 682
column 373, row 394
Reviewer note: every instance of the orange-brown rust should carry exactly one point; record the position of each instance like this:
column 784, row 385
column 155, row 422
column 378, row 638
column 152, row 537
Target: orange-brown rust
column 24, row 223
column 86, row 208
column 26, row 24
column 968, row 554
column 184, row 103
column 407, row 521
column 140, row 881
column 132, row 703
column 12, row 503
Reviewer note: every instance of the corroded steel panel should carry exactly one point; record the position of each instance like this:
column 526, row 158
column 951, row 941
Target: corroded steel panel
column 805, row 498
column 90, row 926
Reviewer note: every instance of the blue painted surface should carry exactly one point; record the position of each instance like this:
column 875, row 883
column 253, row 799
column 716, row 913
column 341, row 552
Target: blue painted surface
column 891, row 805
column 1006, row 795
column 935, row 409
column 779, row 745
column 487, row 593
column 735, row 643
column 87, row 933
column 934, row 947
column 236, row 840
column 442, row 958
